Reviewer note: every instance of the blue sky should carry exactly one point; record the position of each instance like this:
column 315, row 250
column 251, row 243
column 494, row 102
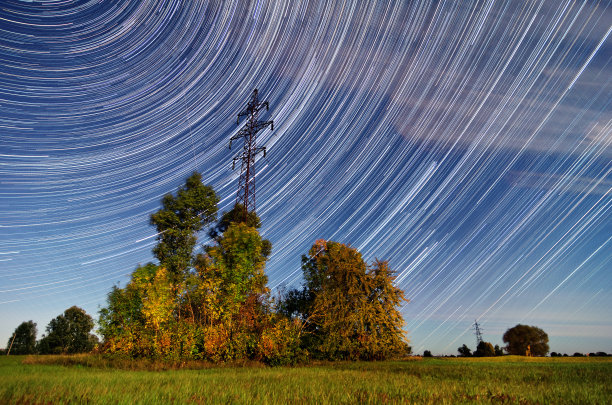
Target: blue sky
column 467, row 143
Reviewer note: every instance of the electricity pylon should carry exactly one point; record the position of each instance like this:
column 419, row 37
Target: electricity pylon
column 246, row 183
column 478, row 333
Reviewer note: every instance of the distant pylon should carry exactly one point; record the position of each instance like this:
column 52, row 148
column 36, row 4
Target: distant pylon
column 246, row 183
column 477, row 332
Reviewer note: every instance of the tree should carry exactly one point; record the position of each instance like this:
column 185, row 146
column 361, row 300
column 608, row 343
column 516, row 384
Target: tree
column 484, row 349
column 69, row 333
column 349, row 309
column 179, row 222
column 23, row 339
column 122, row 322
column 236, row 215
column 464, row 351
column 427, row 353
column 235, row 265
column 523, row 338
column 498, row 351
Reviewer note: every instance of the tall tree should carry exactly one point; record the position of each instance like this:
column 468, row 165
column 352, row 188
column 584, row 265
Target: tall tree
column 23, row 340
column 350, row 309
column 69, row 333
column 179, row 221
column 232, row 270
column 523, row 339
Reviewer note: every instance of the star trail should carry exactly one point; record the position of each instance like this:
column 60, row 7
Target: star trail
column 469, row 143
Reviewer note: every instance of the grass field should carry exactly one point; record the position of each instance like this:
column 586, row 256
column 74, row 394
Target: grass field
column 92, row 380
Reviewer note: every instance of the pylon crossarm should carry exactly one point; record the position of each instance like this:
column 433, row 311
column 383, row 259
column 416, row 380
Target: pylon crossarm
column 242, row 114
column 240, row 134
column 260, row 107
column 259, row 125
column 261, row 149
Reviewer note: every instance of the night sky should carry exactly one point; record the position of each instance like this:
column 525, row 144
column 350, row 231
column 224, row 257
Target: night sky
column 467, row 143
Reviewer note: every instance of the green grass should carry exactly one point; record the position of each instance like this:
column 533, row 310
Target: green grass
column 95, row 380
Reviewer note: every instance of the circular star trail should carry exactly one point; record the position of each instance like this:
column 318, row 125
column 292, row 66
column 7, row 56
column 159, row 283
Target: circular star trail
column 467, row 143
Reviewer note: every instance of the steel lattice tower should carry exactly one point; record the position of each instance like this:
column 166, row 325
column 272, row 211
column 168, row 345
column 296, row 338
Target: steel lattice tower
column 478, row 333
column 246, row 183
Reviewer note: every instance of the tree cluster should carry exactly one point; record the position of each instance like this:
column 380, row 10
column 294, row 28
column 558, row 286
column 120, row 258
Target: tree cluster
column 215, row 305
column 68, row 333
column 520, row 340
column 348, row 309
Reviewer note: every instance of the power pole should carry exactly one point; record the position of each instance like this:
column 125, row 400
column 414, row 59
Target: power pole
column 477, row 332
column 246, row 184
column 9, row 349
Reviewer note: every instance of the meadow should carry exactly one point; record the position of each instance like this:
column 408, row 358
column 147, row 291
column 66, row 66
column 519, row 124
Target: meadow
column 509, row 379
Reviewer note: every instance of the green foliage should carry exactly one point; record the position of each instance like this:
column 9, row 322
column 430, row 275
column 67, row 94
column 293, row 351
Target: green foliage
column 464, row 351
column 23, row 339
column 498, row 350
column 179, row 221
column 484, row 349
column 349, row 309
column 236, row 215
column 522, row 338
column 121, row 323
column 238, row 264
column 69, row 333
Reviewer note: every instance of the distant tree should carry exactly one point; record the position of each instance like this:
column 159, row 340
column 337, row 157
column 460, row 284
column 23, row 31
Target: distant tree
column 498, row 351
column 23, row 339
column 484, row 349
column 578, row 354
column 68, row 333
column 179, row 221
column 464, row 351
column 554, row 354
column 350, row 309
column 522, row 338
column 427, row 353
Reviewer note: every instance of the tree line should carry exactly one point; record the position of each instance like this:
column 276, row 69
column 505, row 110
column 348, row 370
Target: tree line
column 68, row 333
column 215, row 305
column 521, row 340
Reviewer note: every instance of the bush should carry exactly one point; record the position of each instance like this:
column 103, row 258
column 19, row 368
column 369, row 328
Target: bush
column 279, row 344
